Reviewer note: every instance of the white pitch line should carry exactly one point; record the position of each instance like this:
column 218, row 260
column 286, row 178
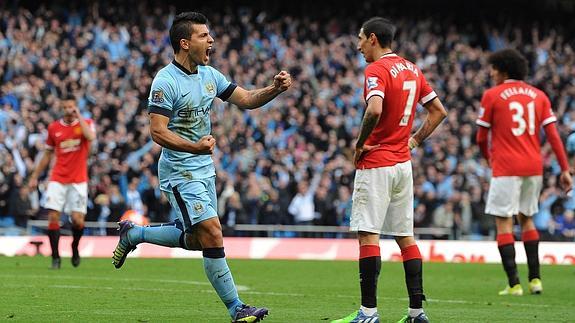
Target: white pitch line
column 147, row 289
column 242, row 288
column 170, row 290
column 456, row 301
column 99, row 278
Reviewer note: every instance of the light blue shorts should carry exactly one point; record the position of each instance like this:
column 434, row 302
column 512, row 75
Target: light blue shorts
column 194, row 201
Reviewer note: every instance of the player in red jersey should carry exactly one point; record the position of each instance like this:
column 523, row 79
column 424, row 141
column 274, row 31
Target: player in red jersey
column 514, row 112
column 69, row 139
column 383, row 188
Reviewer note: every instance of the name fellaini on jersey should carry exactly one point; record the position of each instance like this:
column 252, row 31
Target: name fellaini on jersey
column 517, row 90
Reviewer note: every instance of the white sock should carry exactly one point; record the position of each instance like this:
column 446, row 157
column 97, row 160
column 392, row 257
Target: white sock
column 414, row 312
column 368, row 311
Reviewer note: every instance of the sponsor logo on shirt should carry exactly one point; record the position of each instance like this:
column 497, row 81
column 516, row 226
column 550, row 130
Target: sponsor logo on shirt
column 70, row 145
column 188, row 113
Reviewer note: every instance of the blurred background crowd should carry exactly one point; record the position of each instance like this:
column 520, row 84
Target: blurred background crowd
column 290, row 161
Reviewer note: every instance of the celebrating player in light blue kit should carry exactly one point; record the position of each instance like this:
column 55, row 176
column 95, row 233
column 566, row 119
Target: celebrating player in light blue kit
column 179, row 107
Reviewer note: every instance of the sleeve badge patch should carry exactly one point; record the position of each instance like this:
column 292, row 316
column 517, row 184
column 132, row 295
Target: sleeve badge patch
column 481, row 112
column 211, row 88
column 371, row 83
column 158, row 96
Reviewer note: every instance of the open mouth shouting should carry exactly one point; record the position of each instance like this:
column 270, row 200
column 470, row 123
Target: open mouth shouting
column 209, row 50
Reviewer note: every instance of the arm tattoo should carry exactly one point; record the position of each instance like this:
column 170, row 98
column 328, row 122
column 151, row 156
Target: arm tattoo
column 367, row 125
column 425, row 130
column 259, row 97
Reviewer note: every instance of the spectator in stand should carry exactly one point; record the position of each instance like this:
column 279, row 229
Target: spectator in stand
column 564, row 226
column 47, row 50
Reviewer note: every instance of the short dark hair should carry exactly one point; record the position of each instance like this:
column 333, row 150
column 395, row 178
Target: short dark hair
column 182, row 27
column 383, row 29
column 510, row 62
column 69, row 97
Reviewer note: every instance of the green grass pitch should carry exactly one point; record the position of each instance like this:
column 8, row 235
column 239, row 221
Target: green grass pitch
column 176, row 290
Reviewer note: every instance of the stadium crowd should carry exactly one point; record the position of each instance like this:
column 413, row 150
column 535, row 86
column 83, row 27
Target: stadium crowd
column 289, row 162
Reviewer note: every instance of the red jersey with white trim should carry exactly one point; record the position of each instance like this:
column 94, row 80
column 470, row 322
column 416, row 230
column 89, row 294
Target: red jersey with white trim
column 515, row 111
column 402, row 85
column 71, row 149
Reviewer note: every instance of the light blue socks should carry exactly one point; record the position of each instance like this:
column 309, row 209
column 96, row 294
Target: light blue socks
column 219, row 274
column 167, row 235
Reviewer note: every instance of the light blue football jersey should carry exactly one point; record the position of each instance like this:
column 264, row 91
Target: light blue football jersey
column 186, row 98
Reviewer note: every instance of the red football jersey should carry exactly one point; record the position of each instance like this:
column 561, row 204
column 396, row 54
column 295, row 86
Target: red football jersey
column 402, row 85
column 71, row 149
column 515, row 111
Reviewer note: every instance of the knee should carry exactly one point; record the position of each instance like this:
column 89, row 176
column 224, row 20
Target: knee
column 524, row 220
column 210, row 235
column 404, row 242
column 53, row 216
column 78, row 223
column 192, row 242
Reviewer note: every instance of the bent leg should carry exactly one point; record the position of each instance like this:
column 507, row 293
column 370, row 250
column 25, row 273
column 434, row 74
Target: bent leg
column 167, row 235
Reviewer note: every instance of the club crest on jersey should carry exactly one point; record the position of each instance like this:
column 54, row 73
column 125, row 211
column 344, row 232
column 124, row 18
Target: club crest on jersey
column 157, row 96
column 211, row 88
column 198, row 208
column 371, row 83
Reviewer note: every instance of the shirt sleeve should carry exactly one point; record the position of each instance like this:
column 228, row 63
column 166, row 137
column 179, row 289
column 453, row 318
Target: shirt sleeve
column 224, row 87
column 485, row 111
column 426, row 94
column 374, row 84
column 161, row 100
column 50, row 143
column 547, row 115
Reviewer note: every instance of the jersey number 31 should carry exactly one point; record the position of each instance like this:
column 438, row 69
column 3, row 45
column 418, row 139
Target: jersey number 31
column 519, row 117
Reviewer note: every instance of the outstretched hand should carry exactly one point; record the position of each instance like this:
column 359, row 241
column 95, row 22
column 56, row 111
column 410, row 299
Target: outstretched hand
column 282, row 81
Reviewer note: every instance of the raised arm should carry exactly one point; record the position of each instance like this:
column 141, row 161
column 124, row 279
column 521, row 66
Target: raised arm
column 87, row 130
column 256, row 98
column 435, row 114
column 168, row 139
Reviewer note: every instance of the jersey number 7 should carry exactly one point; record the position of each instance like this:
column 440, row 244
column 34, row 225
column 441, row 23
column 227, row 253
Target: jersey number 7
column 410, row 86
